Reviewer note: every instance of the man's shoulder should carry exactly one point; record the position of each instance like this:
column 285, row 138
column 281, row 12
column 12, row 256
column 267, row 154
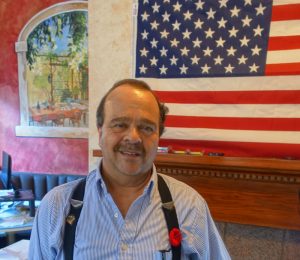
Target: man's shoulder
column 181, row 190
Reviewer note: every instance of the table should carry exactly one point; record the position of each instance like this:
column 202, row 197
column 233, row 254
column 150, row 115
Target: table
column 24, row 195
column 14, row 217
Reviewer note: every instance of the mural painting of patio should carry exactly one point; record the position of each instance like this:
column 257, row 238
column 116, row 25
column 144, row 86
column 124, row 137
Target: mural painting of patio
column 57, row 71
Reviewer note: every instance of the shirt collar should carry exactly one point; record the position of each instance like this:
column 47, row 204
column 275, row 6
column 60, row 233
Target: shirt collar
column 149, row 188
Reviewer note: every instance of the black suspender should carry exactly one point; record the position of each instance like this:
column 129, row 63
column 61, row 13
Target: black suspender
column 73, row 216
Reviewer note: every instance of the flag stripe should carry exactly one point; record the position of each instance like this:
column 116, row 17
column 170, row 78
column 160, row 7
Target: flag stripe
column 230, row 97
column 284, row 43
column 287, row 56
column 278, row 124
column 228, row 84
column 283, row 69
column 257, row 136
column 285, row 28
column 286, row 12
column 241, row 149
column 236, row 110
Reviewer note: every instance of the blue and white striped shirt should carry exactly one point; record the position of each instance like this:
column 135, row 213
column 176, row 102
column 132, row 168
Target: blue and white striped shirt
column 102, row 232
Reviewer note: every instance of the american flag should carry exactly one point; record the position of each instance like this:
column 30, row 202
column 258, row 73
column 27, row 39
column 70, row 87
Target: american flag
column 227, row 69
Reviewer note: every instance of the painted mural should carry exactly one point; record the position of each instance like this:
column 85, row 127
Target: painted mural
column 57, row 71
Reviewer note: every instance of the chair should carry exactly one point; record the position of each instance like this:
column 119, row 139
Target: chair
column 6, row 170
column 59, row 120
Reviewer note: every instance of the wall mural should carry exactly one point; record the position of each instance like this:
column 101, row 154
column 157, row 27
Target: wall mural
column 57, row 71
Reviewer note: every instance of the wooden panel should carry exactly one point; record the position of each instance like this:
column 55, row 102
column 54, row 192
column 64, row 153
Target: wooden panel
column 258, row 191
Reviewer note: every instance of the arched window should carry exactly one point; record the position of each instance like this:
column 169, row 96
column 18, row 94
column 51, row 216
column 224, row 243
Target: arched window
column 53, row 72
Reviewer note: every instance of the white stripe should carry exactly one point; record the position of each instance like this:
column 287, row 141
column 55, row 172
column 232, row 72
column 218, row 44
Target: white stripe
column 226, row 84
column 286, row 56
column 285, row 2
column 235, row 110
column 288, row 137
column 285, row 28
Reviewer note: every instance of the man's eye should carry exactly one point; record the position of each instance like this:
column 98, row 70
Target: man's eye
column 118, row 127
column 147, row 129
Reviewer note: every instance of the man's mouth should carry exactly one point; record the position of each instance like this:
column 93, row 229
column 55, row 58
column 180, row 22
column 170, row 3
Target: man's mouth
column 131, row 153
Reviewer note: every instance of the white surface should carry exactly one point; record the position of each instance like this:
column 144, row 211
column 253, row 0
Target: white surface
column 16, row 251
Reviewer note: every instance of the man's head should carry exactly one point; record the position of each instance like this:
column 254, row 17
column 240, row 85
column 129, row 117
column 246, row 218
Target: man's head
column 130, row 120
column 139, row 84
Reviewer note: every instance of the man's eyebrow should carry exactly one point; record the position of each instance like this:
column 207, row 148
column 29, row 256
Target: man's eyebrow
column 118, row 119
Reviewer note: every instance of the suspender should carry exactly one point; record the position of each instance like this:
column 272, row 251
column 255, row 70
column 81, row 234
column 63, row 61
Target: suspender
column 73, row 216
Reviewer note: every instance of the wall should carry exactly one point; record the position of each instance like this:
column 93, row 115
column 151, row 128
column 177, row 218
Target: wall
column 110, row 50
column 51, row 155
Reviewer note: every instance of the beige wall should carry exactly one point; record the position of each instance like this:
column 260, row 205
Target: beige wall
column 110, row 48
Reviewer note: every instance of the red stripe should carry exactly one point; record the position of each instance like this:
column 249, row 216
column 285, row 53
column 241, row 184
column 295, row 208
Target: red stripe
column 231, row 97
column 286, row 12
column 273, row 124
column 236, row 149
column 282, row 69
column 284, row 43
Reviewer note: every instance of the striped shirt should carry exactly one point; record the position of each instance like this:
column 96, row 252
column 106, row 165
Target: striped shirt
column 102, row 232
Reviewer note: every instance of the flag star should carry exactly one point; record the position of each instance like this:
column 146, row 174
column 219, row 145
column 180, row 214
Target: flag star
column 231, row 51
column 183, row 69
column 143, row 69
column 253, row 68
column 246, row 21
column 146, row 1
column 187, row 15
column 166, row 1
column 222, row 23
column 205, row 69
column 154, row 61
column 258, row 30
column 155, row 7
column 154, row 25
column 223, row 3
column 173, row 60
column 163, row 70
column 197, row 42
column 229, row 68
column 260, row 9
column 154, row 43
column 218, row 60
column 209, row 33
column 235, row 11
column 247, row 2
column 144, row 35
column 210, row 14
column 164, row 34
column 166, row 17
column 233, row 32
column 198, row 24
column 145, row 16
column 163, row 51
column 184, row 51
column 144, row 52
column 207, row 51
column 199, row 5
column 176, row 25
column 242, row 59
column 177, row 7
column 195, row 59
column 220, row 42
column 186, row 34
column 255, row 50
column 244, row 41
column 174, row 42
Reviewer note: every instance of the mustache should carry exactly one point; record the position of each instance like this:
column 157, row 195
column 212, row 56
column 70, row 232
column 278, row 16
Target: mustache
column 131, row 148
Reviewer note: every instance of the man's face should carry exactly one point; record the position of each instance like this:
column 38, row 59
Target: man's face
column 130, row 132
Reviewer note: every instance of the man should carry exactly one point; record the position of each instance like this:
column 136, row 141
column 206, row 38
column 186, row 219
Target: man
column 122, row 216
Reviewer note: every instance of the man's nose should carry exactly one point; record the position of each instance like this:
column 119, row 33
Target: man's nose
column 133, row 135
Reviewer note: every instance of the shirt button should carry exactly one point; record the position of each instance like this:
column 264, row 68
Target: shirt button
column 116, row 215
column 124, row 247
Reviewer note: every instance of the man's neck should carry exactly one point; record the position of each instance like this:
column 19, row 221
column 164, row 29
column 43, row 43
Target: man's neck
column 125, row 190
